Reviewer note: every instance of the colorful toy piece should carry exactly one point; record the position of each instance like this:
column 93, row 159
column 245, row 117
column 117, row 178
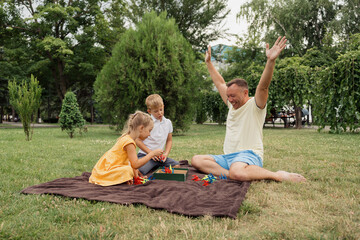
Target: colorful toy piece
column 141, row 180
column 162, row 158
column 195, row 178
column 168, row 169
column 138, row 180
column 144, row 180
column 223, row 176
column 205, row 183
column 210, row 178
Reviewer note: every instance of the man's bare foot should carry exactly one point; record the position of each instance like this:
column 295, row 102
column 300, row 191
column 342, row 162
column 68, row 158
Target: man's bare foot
column 291, row 177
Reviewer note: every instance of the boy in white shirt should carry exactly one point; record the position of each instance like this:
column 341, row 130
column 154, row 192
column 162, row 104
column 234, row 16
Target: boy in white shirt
column 160, row 136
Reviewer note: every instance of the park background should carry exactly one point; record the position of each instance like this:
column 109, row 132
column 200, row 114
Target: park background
column 112, row 54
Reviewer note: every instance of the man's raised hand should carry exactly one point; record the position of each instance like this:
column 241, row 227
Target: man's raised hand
column 208, row 55
column 275, row 51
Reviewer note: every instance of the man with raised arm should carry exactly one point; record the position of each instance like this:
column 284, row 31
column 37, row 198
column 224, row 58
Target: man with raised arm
column 243, row 146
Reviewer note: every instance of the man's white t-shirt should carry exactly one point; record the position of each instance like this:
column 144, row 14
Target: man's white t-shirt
column 244, row 128
column 158, row 134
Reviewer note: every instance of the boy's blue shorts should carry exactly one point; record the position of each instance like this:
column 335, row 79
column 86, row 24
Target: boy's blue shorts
column 246, row 156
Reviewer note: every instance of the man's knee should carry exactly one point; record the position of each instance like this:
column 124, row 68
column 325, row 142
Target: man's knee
column 196, row 160
column 239, row 175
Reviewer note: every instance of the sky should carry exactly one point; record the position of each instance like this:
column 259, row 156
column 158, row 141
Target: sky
column 234, row 26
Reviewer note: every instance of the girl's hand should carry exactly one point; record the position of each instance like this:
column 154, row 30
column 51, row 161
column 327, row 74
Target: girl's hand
column 136, row 173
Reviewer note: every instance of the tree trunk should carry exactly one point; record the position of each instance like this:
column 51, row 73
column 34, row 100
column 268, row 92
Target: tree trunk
column 62, row 79
column 38, row 120
column 298, row 119
column 48, row 106
column 92, row 114
column 1, row 114
column 57, row 71
column 13, row 114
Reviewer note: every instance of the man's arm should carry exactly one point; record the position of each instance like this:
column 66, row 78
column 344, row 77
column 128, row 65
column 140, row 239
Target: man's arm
column 218, row 80
column 262, row 90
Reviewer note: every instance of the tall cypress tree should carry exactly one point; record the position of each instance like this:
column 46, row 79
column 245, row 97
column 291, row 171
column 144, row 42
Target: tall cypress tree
column 153, row 58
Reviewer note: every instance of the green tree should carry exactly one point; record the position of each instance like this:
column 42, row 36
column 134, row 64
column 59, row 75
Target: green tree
column 198, row 20
column 305, row 23
column 215, row 107
column 210, row 106
column 13, row 50
column 348, row 18
column 25, row 98
column 291, row 85
column 64, row 43
column 153, row 58
column 70, row 116
column 338, row 91
column 201, row 113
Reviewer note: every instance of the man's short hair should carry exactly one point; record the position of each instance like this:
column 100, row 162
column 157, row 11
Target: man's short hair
column 154, row 101
column 238, row 81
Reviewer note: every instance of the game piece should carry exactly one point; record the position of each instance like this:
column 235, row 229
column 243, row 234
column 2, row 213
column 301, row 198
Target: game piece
column 205, row 183
column 141, row 180
column 144, row 180
column 138, row 180
column 195, row 178
column 210, row 178
column 162, row 158
column 223, row 176
column 167, row 170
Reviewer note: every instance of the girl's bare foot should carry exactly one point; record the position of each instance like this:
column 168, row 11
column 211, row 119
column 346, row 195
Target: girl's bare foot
column 291, row 177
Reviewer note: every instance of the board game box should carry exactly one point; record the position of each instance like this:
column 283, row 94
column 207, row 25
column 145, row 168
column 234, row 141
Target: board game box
column 178, row 174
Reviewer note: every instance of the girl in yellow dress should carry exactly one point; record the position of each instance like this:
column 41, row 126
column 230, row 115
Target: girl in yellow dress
column 120, row 163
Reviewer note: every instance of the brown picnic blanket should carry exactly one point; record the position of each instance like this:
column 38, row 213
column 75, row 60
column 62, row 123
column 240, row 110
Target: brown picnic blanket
column 220, row 198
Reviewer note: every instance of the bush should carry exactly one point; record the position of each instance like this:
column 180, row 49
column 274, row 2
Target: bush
column 70, row 116
column 201, row 113
column 211, row 106
column 26, row 99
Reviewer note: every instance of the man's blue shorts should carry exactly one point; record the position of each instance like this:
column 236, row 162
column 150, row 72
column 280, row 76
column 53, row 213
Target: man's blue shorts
column 246, row 156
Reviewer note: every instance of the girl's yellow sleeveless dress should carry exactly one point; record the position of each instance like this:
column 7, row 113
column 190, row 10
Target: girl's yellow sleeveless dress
column 114, row 166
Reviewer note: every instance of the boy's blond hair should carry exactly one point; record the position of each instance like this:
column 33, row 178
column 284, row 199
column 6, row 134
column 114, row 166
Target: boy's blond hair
column 154, row 101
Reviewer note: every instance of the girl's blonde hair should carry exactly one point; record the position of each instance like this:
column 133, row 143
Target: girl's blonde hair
column 135, row 120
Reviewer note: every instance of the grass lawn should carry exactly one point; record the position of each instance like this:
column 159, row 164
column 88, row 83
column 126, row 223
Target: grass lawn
column 327, row 206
